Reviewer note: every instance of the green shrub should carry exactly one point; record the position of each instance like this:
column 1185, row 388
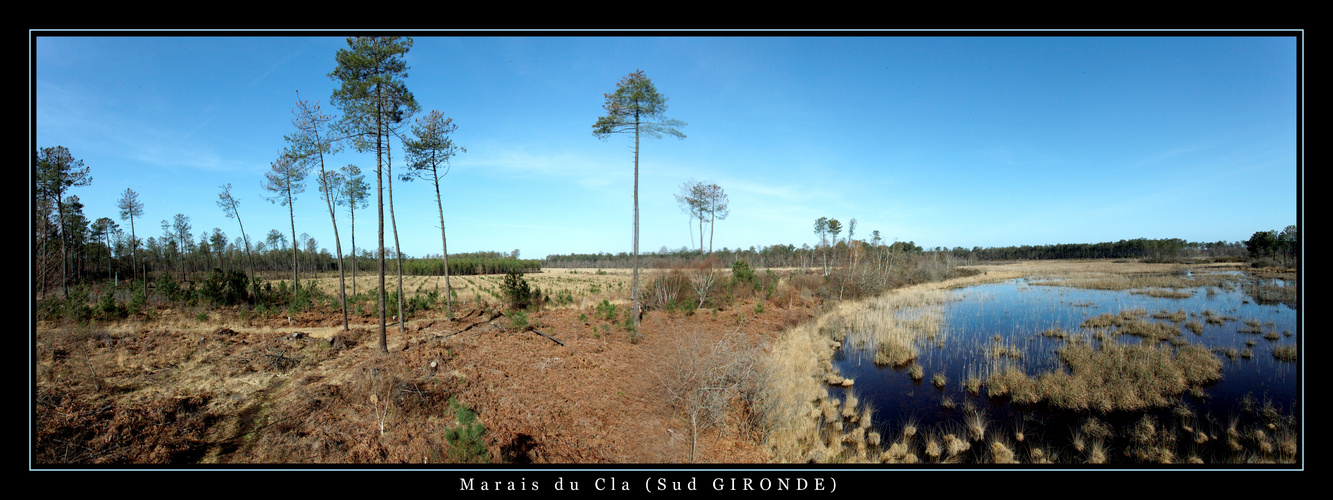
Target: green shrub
column 518, row 318
column 301, row 299
column 465, row 441
column 49, row 309
column 225, row 288
column 516, row 290
column 606, row 310
column 741, row 271
column 168, row 288
column 108, row 308
column 137, row 300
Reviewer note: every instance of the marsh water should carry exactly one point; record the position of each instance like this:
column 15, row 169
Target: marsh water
column 1013, row 314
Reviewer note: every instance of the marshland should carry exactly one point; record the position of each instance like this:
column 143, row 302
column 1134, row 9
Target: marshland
column 1064, row 363
column 1026, row 328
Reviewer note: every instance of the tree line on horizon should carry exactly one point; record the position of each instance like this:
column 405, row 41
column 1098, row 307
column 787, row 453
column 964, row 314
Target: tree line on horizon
column 1270, row 244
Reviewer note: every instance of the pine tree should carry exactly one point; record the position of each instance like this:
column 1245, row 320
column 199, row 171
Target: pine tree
column 636, row 107
column 372, row 96
column 309, row 145
column 428, row 154
column 57, row 172
column 130, row 207
column 286, row 179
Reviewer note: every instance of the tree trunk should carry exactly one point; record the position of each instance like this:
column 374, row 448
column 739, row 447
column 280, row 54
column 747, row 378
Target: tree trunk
column 712, row 220
column 444, row 243
column 291, row 212
column 637, row 310
column 134, row 247
column 397, row 250
column 337, row 244
column 701, row 234
column 352, row 212
column 60, row 213
column 379, row 199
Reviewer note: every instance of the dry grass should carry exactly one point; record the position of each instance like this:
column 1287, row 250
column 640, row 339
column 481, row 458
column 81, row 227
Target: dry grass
column 1131, row 322
column 587, row 287
column 1164, row 293
column 1102, row 375
column 1286, row 353
column 801, row 360
column 1114, row 377
column 1151, row 279
column 976, row 425
column 1001, row 452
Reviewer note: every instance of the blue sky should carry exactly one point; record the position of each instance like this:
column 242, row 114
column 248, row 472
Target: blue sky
column 941, row 140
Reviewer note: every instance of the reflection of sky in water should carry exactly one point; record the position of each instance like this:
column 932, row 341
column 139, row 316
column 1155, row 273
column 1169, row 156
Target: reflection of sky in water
column 1018, row 312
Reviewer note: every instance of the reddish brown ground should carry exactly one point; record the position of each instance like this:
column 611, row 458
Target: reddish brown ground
column 252, row 392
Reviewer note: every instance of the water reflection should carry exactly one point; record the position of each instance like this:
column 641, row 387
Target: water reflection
column 1009, row 318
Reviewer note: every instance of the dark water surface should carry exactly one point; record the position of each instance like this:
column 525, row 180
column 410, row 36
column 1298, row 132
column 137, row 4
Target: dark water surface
column 1018, row 311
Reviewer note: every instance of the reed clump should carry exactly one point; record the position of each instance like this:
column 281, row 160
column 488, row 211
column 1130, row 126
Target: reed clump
column 1165, row 293
column 1112, row 377
column 916, row 372
column 1178, row 316
column 1058, row 333
column 1285, row 353
column 1001, row 453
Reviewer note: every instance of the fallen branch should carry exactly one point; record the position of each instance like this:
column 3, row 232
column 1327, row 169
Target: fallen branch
column 553, row 339
column 474, row 325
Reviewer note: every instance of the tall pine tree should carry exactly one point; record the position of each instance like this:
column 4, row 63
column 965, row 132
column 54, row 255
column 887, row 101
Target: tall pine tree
column 372, row 96
column 636, row 107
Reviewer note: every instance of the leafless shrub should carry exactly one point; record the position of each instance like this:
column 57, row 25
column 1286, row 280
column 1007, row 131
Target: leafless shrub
column 666, row 289
column 703, row 278
column 703, row 378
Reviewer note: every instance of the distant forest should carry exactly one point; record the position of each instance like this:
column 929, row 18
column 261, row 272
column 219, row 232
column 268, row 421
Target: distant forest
column 786, row 255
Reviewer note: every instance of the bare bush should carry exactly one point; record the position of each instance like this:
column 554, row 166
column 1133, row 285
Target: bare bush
column 703, row 379
column 703, row 278
column 667, row 289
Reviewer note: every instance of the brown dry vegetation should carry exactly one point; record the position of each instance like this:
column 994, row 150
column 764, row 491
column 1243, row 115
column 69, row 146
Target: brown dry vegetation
column 272, row 390
column 177, row 390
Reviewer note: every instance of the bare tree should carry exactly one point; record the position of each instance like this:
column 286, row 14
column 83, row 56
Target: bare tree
column 851, row 240
column 286, row 179
column 701, row 379
column 691, row 201
column 715, row 203
column 702, row 279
